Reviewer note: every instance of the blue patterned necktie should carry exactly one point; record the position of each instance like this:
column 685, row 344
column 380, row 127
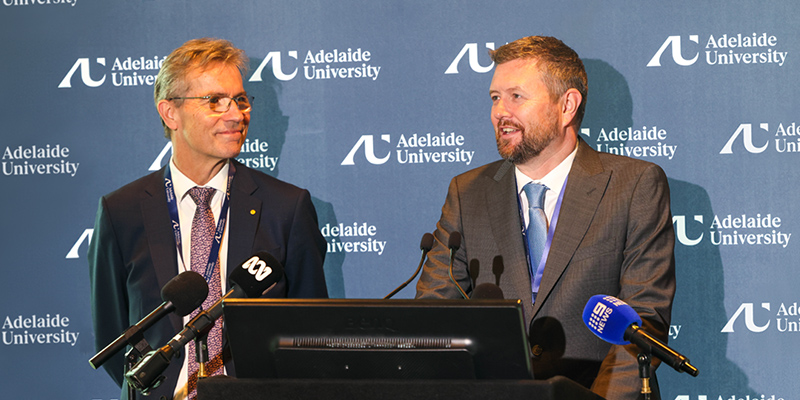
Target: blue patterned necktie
column 203, row 229
column 536, row 233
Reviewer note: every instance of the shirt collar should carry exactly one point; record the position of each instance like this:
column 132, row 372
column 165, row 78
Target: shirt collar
column 554, row 179
column 183, row 184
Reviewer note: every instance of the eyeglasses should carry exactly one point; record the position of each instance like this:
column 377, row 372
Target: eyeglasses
column 222, row 104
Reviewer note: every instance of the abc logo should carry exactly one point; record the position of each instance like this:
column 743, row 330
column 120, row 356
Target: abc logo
column 257, row 267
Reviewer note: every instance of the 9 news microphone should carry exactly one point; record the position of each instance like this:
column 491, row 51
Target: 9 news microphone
column 426, row 244
column 251, row 279
column 182, row 294
column 614, row 321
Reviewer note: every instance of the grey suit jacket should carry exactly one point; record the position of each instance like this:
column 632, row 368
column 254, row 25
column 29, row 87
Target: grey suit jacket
column 614, row 236
column 132, row 254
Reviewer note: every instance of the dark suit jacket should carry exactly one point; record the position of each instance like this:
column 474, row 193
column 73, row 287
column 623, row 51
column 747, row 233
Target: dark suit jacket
column 614, row 236
column 132, row 253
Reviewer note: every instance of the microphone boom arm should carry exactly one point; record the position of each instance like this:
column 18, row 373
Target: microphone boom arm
column 651, row 345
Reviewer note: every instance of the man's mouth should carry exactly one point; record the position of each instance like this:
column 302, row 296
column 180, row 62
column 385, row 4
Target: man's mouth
column 232, row 132
column 506, row 127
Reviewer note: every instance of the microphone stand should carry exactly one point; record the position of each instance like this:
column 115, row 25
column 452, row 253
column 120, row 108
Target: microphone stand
column 201, row 353
column 130, row 360
column 644, row 373
column 139, row 346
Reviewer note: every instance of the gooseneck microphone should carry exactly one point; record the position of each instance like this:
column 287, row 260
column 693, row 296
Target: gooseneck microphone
column 182, row 294
column 614, row 321
column 426, row 244
column 251, row 279
column 454, row 243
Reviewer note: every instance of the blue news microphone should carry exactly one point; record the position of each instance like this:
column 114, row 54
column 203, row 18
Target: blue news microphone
column 614, row 321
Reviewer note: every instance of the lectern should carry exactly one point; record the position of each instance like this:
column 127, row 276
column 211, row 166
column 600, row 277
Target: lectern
column 381, row 349
column 225, row 388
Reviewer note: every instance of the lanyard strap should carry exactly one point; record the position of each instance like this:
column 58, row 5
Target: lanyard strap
column 172, row 204
column 536, row 275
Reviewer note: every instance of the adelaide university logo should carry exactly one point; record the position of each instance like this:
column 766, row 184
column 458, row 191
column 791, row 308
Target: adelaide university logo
column 125, row 71
column 746, row 132
column 734, row 229
column 674, row 43
column 786, row 138
column 786, row 320
column 471, row 51
column 679, row 222
column 274, row 57
column 749, row 318
column 412, row 149
column 368, row 142
column 323, row 64
column 86, row 76
column 727, row 49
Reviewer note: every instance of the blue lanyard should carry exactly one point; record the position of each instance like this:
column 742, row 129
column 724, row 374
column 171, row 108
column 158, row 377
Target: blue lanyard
column 172, row 204
column 536, row 276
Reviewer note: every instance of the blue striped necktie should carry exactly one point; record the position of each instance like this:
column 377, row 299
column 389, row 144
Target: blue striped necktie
column 536, row 232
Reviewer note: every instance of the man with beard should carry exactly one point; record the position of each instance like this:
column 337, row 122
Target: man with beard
column 599, row 223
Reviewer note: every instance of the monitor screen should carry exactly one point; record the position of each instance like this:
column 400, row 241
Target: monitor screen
column 378, row 339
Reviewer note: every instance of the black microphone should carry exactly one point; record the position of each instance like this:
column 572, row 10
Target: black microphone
column 651, row 345
column 251, row 279
column 487, row 291
column 454, row 243
column 426, row 244
column 614, row 321
column 182, row 294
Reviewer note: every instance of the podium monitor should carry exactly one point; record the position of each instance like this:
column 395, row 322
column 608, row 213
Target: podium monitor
column 377, row 339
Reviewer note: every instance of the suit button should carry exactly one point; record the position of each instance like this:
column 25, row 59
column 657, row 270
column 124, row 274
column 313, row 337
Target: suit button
column 537, row 350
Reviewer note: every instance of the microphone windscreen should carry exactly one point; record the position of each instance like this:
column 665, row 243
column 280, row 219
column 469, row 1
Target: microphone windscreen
column 186, row 292
column 608, row 317
column 455, row 240
column 427, row 242
column 487, row 291
column 257, row 274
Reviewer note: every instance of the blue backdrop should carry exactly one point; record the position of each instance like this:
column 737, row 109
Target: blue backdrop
column 346, row 92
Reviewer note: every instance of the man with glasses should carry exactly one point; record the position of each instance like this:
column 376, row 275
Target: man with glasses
column 136, row 247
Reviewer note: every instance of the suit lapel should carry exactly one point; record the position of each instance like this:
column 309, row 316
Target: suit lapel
column 244, row 211
column 159, row 234
column 506, row 228
column 585, row 188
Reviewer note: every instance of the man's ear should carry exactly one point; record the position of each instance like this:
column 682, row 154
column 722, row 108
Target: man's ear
column 169, row 114
column 571, row 102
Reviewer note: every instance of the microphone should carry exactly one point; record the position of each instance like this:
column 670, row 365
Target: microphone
column 251, row 279
column 426, row 244
column 182, row 294
column 454, row 243
column 487, row 291
column 614, row 321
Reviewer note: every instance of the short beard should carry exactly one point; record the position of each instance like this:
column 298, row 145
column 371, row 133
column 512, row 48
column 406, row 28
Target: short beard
column 533, row 141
